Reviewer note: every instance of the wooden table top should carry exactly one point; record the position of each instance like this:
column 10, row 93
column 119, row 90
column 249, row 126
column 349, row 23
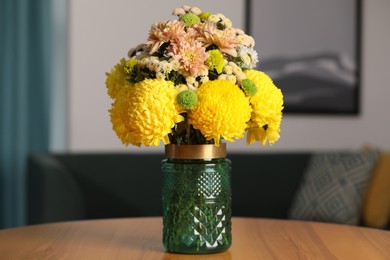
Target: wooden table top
column 140, row 238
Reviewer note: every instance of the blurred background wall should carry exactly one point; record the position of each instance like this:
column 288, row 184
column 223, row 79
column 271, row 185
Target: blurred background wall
column 102, row 34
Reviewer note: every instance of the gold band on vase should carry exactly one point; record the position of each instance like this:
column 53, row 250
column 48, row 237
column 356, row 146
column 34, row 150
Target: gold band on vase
column 196, row 151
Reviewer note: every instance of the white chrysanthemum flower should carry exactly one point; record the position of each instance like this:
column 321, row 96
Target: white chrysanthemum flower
column 195, row 10
column 178, row 11
column 159, row 67
column 251, row 41
column 237, row 70
column 232, row 64
column 228, row 69
column 240, row 76
column 190, row 80
column 231, row 78
column 241, row 39
column 221, row 16
column 175, row 65
column 228, row 23
column 255, row 57
column 246, row 51
column 213, row 18
column 244, row 39
column 239, row 31
column 222, row 76
column 204, row 79
column 246, row 59
column 204, row 72
column 153, row 64
column 160, row 75
column 144, row 62
column 186, row 8
column 167, row 67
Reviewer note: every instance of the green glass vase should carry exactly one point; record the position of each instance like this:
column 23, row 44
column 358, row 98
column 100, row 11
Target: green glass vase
column 196, row 199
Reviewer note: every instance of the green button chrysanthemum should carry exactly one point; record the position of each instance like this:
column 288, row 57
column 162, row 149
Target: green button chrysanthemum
column 187, row 99
column 249, row 87
column 189, row 19
column 129, row 66
column 215, row 61
column 204, row 15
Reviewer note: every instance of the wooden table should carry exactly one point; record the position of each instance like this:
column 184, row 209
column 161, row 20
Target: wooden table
column 140, row 238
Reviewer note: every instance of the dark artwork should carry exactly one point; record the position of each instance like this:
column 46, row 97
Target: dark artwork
column 311, row 51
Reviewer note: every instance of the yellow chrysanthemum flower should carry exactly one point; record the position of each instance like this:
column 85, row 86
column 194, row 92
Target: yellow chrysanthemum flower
column 116, row 80
column 267, row 105
column 222, row 111
column 145, row 113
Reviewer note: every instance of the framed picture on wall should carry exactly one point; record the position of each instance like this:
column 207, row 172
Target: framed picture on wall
column 311, row 49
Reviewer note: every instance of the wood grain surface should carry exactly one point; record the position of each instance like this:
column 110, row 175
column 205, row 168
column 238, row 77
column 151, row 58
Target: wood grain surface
column 140, row 238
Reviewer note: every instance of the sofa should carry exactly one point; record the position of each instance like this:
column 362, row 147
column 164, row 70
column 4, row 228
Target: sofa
column 75, row 186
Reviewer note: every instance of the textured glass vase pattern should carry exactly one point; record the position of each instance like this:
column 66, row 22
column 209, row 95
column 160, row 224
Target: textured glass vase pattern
column 196, row 205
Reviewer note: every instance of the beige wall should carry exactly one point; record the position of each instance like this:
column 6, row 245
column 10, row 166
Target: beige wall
column 101, row 34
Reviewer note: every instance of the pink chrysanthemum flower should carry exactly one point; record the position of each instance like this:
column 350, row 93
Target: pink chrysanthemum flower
column 192, row 56
column 164, row 32
column 191, row 34
column 224, row 39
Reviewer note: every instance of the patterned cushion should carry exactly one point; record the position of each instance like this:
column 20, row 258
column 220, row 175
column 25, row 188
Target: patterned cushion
column 333, row 187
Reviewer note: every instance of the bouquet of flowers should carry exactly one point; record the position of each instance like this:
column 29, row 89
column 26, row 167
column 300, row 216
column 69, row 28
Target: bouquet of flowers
column 193, row 82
